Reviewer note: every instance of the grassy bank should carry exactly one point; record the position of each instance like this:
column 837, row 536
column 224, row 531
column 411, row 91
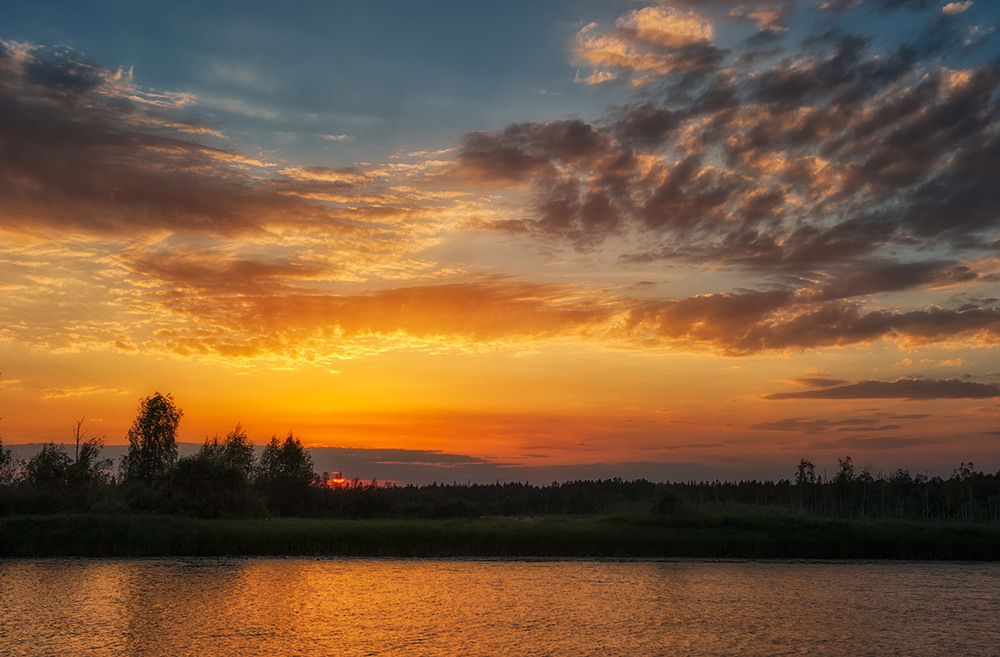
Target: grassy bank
column 699, row 536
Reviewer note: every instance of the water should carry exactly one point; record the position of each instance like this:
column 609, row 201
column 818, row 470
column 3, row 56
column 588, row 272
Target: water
column 336, row 607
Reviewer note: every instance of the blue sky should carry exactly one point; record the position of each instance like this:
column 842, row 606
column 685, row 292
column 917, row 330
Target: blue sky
column 332, row 83
column 382, row 76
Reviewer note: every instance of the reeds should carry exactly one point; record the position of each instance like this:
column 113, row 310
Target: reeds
column 615, row 536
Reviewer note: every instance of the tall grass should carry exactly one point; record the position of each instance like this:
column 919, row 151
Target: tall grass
column 618, row 536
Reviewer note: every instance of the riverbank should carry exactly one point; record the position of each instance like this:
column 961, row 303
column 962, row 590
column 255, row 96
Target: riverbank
column 620, row 536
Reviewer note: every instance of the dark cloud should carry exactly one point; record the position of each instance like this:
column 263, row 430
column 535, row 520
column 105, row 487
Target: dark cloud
column 907, row 389
column 751, row 322
column 819, row 382
column 835, row 154
column 877, row 276
column 799, row 425
column 647, row 126
column 82, row 148
column 209, row 271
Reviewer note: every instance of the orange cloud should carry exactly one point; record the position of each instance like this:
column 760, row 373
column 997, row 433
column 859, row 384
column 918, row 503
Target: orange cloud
column 651, row 40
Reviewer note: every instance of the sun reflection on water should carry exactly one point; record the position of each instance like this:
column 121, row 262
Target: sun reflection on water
column 423, row 607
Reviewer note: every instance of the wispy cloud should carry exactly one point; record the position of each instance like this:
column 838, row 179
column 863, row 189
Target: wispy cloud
column 907, row 389
column 59, row 393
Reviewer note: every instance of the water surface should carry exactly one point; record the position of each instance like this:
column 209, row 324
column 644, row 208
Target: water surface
column 468, row 607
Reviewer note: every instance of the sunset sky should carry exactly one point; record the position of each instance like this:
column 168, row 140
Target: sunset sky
column 484, row 240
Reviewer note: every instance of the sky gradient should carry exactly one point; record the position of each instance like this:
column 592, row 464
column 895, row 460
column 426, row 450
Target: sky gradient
column 659, row 239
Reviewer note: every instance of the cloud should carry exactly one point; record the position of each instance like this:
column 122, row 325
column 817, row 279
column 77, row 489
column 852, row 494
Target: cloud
column 953, row 8
column 750, row 322
column 834, row 154
column 648, row 43
column 903, row 388
column 820, row 175
column 818, row 382
column 348, row 177
column 206, row 271
column 80, row 153
column 86, row 150
column 264, row 314
column 875, row 276
column 798, row 425
column 666, row 26
column 259, row 320
column 767, row 19
column 81, row 391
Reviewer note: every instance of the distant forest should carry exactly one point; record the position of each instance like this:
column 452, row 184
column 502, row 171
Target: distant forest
column 227, row 477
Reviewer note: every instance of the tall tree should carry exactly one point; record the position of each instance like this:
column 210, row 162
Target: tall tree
column 285, row 461
column 152, row 439
column 284, row 475
column 239, row 451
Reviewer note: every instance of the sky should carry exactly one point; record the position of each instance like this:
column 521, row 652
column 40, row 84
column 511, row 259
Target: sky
column 545, row 241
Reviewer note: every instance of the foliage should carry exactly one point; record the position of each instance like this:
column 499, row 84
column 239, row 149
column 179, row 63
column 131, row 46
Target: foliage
column 52, row 481
column 216, row 481
column 284, row 475
column 10, row 465
column 152, row 439
column 49, row 468
column 285, row 461
column 88, row 469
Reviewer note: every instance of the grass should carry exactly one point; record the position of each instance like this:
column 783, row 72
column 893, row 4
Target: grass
column 617, row 536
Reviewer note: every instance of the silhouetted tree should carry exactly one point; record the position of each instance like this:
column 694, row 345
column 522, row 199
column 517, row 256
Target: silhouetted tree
column 285, row 461
column 49, row 468
column 805, row 478
column 43, row 488
column 846, row 472
column 806, row 473
column 152, row 439
column 88, row 469
column 9, row 466
column 236, row 451
column 284, row 475
column 216, row 480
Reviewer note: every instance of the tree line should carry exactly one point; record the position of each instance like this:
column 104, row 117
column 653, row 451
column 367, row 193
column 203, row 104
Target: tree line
column 227, row 477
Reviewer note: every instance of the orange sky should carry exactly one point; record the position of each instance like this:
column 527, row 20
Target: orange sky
column 771, row 243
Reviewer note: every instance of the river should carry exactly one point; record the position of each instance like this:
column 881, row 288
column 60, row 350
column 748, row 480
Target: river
column 346, row 607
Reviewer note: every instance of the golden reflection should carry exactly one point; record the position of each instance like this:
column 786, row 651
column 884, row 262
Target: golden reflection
column 318, row 607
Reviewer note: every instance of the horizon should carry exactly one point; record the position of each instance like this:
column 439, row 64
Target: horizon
column 423, row 467
column 669, row 236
